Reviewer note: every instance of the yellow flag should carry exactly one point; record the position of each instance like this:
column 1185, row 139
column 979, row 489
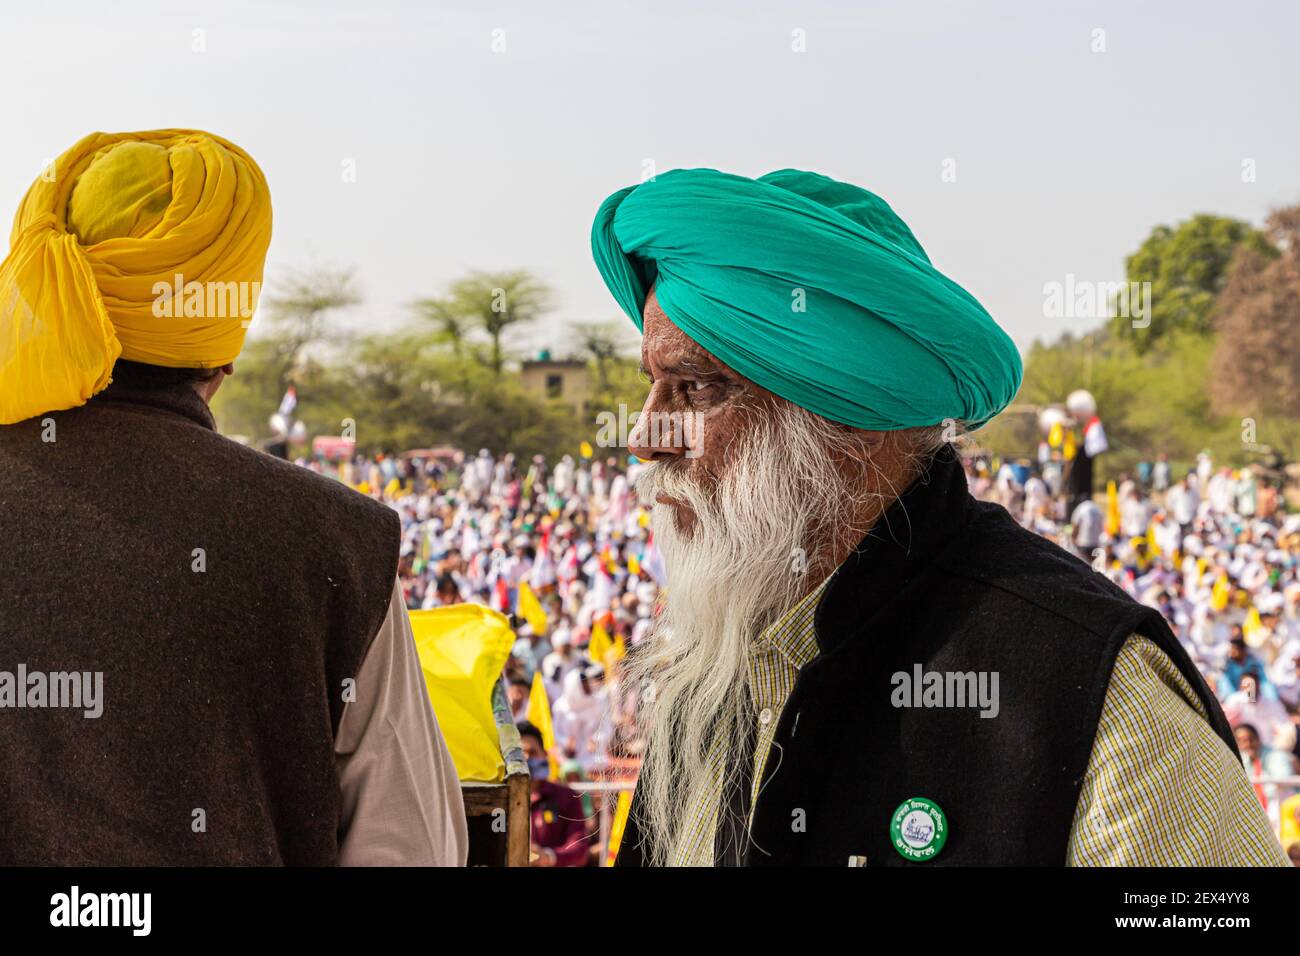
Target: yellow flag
column 1112, row 509
column 539, row 715
column 530, row 609
column 1252, row 629
column 600, row 644
column 619, row 650
column 1290, row 820
column 633, row 565
column 1220, row 593
column 585, row 449
column 621, row 810
column 462, row 649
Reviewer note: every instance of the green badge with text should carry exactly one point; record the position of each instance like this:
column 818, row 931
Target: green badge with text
column 918, row 829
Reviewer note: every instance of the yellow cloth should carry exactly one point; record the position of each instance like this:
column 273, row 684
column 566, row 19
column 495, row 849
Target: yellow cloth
column 463, row 648
column 96, row 250
column 1290, row 820
column 1220, row 593
column 621, row 810
column 530, row 609
column 1253, row 630
column 1112, row 509
column 600, row 644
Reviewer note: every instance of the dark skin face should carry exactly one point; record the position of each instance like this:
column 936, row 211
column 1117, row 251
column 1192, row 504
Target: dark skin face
column 685, row 379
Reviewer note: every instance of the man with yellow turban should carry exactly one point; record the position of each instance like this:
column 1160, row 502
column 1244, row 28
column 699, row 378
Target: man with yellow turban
column 207, row 655
column 856, row 662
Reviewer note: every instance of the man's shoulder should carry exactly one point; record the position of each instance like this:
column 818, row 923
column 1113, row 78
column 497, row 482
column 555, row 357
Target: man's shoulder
column 1033, row 574
column 245, row 470
column 307, row 484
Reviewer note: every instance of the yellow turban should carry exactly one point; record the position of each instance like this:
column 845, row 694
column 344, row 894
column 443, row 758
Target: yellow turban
column 148, row 246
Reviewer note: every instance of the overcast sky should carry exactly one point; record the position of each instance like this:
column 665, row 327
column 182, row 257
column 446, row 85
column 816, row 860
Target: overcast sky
column 467, row 158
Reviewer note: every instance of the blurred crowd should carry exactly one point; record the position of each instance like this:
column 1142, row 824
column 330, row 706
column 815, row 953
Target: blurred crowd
column 1211, row 549
column 574, row 538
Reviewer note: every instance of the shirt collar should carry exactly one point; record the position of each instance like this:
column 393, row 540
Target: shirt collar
column 180, row 399
column 793, row 637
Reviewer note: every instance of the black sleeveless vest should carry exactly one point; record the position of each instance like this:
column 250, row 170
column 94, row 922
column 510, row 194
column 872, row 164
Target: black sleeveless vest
column 224, row 595
column 952, row 585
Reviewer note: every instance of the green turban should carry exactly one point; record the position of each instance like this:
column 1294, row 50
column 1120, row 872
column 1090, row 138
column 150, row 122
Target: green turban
column 812, row 288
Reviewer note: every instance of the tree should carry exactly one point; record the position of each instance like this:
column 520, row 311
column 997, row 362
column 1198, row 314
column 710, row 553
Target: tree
column 1256, row 364
column 1186, row 267
column 495, row 301
column 1151, row 403
column 604, row 342
column 299, row 312
column 448, row 324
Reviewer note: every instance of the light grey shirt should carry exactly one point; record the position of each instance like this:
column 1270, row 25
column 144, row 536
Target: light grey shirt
column 401, row 803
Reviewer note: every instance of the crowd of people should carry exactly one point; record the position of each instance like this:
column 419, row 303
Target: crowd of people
column 1212, row 549
column 575, row 537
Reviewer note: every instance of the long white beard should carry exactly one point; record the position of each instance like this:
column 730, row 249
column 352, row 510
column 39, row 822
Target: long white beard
column 745, row 562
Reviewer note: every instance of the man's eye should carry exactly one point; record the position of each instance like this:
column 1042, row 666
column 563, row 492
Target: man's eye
column 700, row 389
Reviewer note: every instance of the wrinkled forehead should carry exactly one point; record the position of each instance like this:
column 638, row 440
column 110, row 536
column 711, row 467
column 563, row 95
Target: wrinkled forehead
column 667, row 348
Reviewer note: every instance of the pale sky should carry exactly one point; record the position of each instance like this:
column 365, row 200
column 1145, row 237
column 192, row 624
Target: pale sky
column 468, row 158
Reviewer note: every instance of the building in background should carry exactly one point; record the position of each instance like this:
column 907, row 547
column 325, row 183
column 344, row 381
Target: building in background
column 567, row 380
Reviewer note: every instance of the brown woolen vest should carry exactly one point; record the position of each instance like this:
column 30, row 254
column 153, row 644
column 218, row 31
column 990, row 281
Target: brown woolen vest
column 222, row 688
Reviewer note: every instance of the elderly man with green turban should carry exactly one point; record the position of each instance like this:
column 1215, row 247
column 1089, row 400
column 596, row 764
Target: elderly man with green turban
column 856, row 663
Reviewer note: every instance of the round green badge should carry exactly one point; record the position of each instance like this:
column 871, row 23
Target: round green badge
column 918, row 829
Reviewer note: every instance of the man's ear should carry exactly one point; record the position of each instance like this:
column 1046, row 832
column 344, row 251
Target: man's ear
column 865, row 446
column 872, row 442
column 209, row 388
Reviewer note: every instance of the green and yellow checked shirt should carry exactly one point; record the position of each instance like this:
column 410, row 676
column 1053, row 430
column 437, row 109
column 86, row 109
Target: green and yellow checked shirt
column 1157, row 767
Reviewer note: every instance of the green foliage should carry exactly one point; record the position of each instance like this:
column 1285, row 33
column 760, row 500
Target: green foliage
column 400, row 391
column 1186, row 266
column 1150, row 384
column 1149, row 403
column 491, row 302
column 418, row 387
